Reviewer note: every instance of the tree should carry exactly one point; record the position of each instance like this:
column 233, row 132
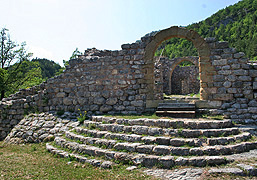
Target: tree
column 12, row 56
column 48, row 67
column 74, row 55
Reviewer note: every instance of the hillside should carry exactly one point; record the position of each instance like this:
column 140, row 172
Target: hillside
column 48, row 68
column 235, row 24
column 30, row 73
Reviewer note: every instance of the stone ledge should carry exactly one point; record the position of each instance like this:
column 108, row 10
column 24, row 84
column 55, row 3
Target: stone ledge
column 195, row 142
column 145, row 160
column 93, row 162
column 168, row 123
column 145, row 130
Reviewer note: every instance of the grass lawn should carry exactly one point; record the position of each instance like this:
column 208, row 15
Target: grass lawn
column 32, row 161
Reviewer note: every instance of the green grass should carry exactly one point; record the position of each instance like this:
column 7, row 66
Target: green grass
column 32, row 161
column 214, row 117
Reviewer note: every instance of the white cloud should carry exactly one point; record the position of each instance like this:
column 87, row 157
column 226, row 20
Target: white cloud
column 40, row 52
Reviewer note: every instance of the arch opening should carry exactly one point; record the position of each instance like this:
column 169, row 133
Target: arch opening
column 183, row 77
column 206, row 70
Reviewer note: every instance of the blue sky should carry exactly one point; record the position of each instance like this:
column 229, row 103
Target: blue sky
column 53, row 29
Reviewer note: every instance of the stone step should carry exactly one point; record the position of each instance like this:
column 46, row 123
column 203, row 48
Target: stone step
column 164, row 149
column 180, row 100
column 179, row 114
column 168, row 123
column 141, row 159
column 145, row 130
column 179, row 110
column 162, row 140
column 174, row 112
column 176, row 105
column 79, row 158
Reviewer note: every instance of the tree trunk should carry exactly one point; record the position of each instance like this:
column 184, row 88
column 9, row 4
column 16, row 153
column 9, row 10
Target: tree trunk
column 2, row 94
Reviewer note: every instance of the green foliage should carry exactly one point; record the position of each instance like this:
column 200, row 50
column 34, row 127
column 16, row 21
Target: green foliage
column 74, row 55
column 19, row 162
column 61, row 112
column 16, row 69
column 235, row 24
column 23, row 75
column 91, row 126
column 48, row 68
column 12, row 53
column 176, row 47
column 82, row 116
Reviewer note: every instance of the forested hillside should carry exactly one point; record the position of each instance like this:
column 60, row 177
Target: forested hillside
column 235, row 24
column 30, row 73
column 49, row 68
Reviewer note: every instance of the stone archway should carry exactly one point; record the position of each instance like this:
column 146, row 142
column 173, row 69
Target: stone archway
column 176, row 61
column 206, row 70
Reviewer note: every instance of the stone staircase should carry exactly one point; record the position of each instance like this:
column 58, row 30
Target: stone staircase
column 163, row 143
column 176, row 109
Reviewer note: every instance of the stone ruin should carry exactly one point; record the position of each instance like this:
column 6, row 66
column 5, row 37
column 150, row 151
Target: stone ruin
column 132, row 81
column 125, row 82
column 179, row 80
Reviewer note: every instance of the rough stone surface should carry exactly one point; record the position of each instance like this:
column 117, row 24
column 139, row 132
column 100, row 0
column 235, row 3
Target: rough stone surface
column 36, row 128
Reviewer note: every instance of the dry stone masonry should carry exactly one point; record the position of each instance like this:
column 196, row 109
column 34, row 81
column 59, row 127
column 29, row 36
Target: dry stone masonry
column 124, row 82
column 180, row 80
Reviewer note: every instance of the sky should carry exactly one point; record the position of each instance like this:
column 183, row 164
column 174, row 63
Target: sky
column 53, row 29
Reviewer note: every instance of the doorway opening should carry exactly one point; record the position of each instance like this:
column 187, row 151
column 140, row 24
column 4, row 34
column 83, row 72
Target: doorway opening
column 177, row 65
column 206, row 70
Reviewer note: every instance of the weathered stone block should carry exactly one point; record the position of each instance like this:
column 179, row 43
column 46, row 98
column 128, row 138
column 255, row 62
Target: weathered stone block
column 235, row 66
column 244, row 78
column 218, row 78
column 154, row 131
column 163, row 140
column 221, row 62
column 232, row 90
column 99, row 100
column 177, row 142
column 167, row 161
column 161, row 150
column 253, row 103
column 67, row 101
column 111, row 101
column 222, row 96
column 227, row 84
column 254, row 85
column 137, row 103
column 231, row 78
column 224, row 72
column 150, row 161
column 252, row 110
column 239, row 55
column 60, row 94
column 145, row 148
column 253, row 73
column 103, row 108
column 125, row 46
column 240, row 72
column 179, row 151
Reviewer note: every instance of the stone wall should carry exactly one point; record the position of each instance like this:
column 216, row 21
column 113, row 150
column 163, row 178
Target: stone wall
column 180, row 80
column 184, row 80
column 124, row 82
column 100, row 82
column 234, row 82
column 13, row 108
